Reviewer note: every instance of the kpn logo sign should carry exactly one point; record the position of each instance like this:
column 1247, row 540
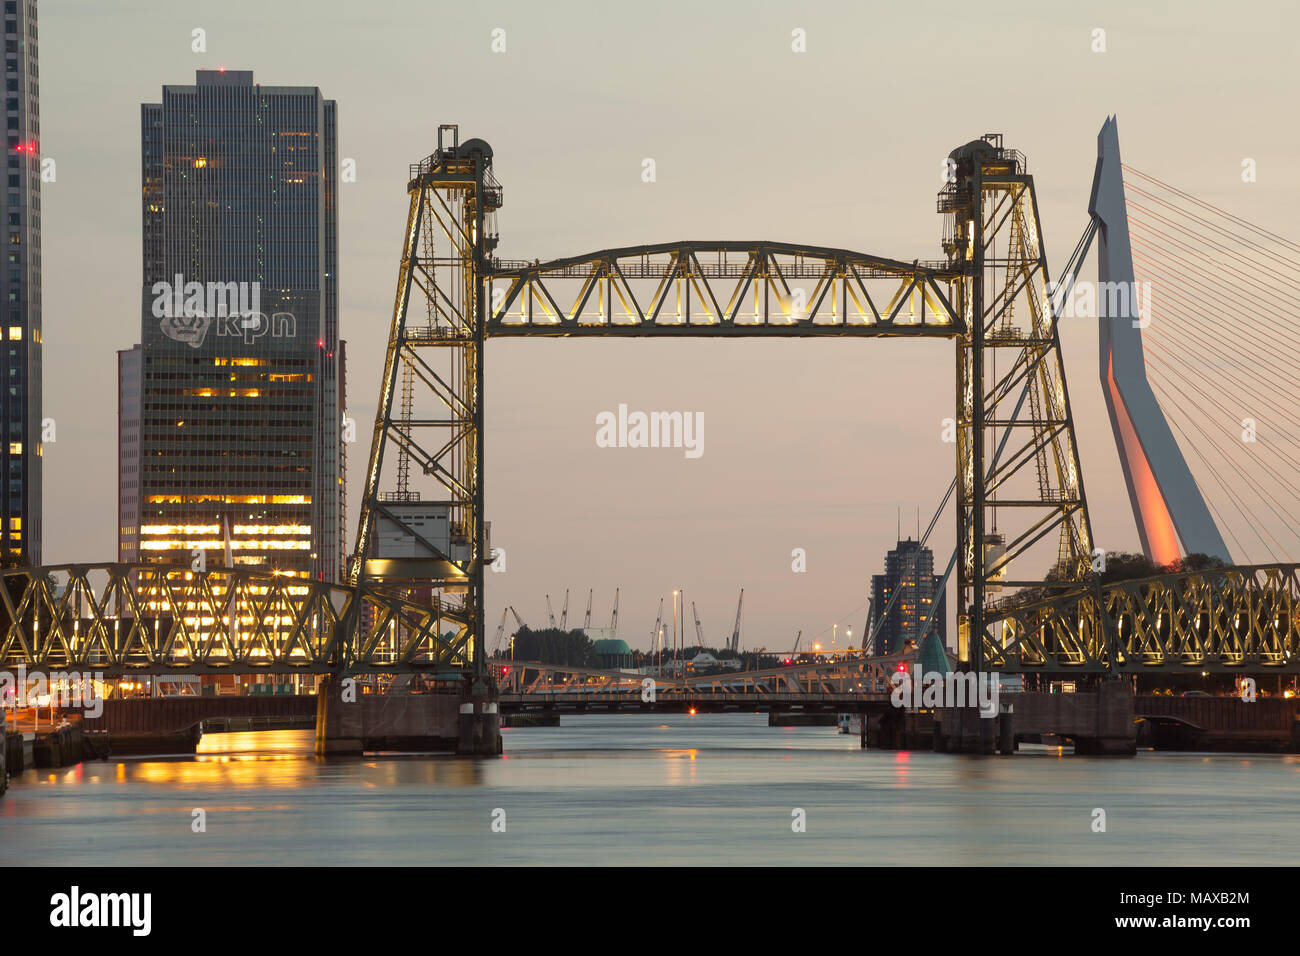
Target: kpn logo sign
column 189, row 311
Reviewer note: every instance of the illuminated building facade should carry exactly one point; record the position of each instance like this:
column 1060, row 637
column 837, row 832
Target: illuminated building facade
column 20, row 502
column 909, row 566
column 231, row 406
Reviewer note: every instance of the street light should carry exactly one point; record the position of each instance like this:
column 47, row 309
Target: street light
column 674, row 654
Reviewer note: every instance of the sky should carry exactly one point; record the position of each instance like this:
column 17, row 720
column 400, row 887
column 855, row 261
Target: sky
column 809, row 444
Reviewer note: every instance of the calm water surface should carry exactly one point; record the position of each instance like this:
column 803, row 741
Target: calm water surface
column 637, row 789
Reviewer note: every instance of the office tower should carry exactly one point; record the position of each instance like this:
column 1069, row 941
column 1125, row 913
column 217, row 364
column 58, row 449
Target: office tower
column 20, row 506
column 236, row 383
column 909, row 567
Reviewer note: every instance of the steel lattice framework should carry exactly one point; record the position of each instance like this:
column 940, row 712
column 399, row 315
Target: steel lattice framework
column 1017, row 459
column 1236, row 619
column 721, row 288
column 438, row 542
column 414, row 596
column 121, row 619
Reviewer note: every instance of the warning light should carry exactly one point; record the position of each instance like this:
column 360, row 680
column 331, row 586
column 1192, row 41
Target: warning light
column 505, row 670
column 320, row 343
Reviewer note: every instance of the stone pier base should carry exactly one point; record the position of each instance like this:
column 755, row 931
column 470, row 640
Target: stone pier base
column 447, row 722
column 1099, row 722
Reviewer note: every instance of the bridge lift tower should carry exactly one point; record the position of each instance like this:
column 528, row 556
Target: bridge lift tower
column 414, row 540
column 1017, row 458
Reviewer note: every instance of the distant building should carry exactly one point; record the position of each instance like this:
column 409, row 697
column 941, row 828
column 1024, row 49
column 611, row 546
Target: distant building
column 613, row 654
column 230, row 408
column 20, row 503
column 909, row 567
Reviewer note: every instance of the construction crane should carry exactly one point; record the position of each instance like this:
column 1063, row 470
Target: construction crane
column 549, row 613
column 654, row 631
column 699, row 631
column 501, row 630
column 564, row 612
column 519, row 620
column 586, row 621
column 613, row 621
column 735, row 631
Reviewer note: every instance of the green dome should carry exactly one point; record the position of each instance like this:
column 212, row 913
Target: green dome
column 610, row 646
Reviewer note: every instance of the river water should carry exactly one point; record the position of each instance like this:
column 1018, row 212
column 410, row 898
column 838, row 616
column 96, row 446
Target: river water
column 638, row 789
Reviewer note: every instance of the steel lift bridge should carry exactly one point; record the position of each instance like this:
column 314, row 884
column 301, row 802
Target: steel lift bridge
column 413, row 601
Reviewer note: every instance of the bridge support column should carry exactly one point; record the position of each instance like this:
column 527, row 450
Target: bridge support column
column 479, row 726
column 1006, row 733
column 447, row 720
column 1099, row 722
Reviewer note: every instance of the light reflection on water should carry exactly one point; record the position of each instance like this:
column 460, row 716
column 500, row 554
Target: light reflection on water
column 628, row 789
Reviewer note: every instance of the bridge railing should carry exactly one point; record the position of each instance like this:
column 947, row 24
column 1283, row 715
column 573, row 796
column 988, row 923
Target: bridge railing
column 858, row 675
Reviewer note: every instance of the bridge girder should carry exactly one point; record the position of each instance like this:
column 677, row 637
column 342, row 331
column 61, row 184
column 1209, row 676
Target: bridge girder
column 1243, row 620
column 721, row 288
column 120, row 619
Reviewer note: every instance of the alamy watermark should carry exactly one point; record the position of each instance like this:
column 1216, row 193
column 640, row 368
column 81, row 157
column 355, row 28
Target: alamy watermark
column 186, row 310
column 1086, row 300
column 63, row 689
column 626, row 429
column 933, row 689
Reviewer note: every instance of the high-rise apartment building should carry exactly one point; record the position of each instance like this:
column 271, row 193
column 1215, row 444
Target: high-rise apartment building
column 20, row 498
column 909, row 568
column 231, row 406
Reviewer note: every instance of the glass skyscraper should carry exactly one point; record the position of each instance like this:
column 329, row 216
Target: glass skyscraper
column 20, row 500
column 231, row 405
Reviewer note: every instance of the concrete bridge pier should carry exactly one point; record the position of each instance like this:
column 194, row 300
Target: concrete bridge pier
column 452, row 718
column 479, row 725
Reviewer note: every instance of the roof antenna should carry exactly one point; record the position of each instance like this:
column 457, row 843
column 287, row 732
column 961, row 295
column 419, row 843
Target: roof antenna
column 899, row 512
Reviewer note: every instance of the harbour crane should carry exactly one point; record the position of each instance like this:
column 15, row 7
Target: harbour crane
column 797, row 638
column 654, row 632
column 586, row 621
column 699, row 631
column 501, row 630
column 518, row 620
column 564, row 612
column 735, row 631
column 549, row 613
column 613, row 621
